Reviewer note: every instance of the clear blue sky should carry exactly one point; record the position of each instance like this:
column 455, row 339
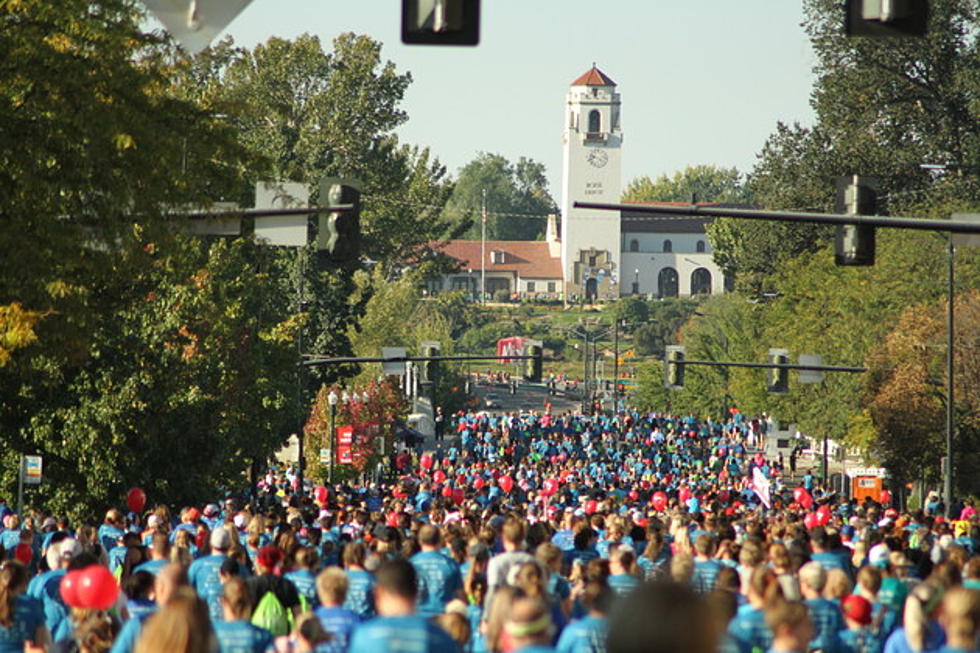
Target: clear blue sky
column 702, row 81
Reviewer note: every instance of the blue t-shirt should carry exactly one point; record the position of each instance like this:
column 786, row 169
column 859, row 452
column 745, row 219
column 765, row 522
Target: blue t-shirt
column 152, row 566
column 305, row 583
column 204, row 578
column 586, row 635
column 439, row 580
column 340, row 623
column 406, row 634
column 860, row 641
column 28, row 616
column 749, row 630
column 130, row 632
column 623, row 584
column 827, row 622
column 241, row 637
column 705, row 573
column 360, row 594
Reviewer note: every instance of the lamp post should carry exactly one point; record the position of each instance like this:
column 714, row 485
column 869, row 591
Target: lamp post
column 636, row 281
column 332, row 399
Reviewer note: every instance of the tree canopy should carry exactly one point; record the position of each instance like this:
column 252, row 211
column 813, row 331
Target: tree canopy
column 517, row 198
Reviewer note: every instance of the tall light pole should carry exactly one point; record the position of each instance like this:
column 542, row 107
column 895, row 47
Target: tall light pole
column 483, row 251
column 332, row 400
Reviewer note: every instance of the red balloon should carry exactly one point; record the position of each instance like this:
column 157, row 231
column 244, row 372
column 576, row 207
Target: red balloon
column 659, row 501
column 398, row 493
column 69, row 588
column 802, row 497
column 812, row 520
column 439, row 476
column 447, row 491
column 506, row 483
column 136, row 499
column 550, row 487
column 426, row 461
column 97, row 588
column 458, row 496
column 591, row 506
column 461, row 479
column 886, row 497
column 634, row 495
column 479, row 483
column 321, row 494
column 683, row 495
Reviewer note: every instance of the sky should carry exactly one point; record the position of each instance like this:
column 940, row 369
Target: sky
column 702, row 81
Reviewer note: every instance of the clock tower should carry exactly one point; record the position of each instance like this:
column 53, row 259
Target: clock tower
column 591, row 140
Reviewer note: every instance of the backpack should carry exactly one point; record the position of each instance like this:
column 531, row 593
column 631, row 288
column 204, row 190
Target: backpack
column 271, row 615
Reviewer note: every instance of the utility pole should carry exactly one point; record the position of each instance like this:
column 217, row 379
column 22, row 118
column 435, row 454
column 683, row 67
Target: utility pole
column 616, row 365
column 483, row 251
column 948, row 476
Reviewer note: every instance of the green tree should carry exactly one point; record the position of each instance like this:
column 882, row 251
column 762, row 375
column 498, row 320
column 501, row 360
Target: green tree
column 665, row 319
column 705, row 183
column 884, row 106
column 517, row 198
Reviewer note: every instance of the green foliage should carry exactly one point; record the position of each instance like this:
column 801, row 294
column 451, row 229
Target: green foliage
column 631, row 312
column 705, row 183
column 665, row 318
column 884, row 106
column 516, row 194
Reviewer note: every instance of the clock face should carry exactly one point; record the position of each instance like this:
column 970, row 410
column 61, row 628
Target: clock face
column 597, row 157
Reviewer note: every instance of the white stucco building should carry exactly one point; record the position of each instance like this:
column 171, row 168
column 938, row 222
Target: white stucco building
column 603, row 254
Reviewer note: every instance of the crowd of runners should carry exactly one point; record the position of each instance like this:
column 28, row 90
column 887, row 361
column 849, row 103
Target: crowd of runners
column 569, row 533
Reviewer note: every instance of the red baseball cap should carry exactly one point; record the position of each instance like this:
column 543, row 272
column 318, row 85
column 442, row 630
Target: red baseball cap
column 857, row 608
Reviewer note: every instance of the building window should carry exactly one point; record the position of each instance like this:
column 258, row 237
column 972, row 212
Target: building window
column 668, row 246
column 700, row 247
column 595, row 122
column 634, row 245
column 592, row 261
column 701, row 282
column 667, row 283
column 461, row 283
column 530, row 286
column 551, row 286
column 434, row 286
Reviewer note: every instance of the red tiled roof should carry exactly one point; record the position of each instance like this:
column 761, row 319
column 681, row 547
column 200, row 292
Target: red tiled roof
column 530, row 259
column 593, row 77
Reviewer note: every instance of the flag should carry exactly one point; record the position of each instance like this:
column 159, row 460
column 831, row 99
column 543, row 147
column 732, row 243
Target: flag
column 761, row 486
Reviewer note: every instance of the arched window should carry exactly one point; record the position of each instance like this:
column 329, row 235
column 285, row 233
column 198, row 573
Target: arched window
column 699, row 247
column 667, row 283
column 701, row 282
column 634, row 245
column 595, row 122
column 668, row 246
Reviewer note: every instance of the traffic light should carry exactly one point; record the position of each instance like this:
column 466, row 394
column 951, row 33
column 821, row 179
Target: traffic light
column 778, row 377
column 441, row 22
column 430, row 369
column 674, row 368
column 854, row 244
column 886, row 17
column 532, row 366
column 339, row 232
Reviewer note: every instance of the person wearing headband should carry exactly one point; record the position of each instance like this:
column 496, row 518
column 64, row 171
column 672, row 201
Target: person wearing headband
column 529, row 628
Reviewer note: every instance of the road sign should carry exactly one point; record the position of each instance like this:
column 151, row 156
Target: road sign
column 811, row 376
column 324, row 456
column 393, row 369
column 195, row 23
column 287, row 231
column 32, row 470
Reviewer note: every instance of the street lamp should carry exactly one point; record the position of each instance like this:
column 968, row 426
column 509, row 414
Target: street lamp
column 332, row 399
column 636, row 281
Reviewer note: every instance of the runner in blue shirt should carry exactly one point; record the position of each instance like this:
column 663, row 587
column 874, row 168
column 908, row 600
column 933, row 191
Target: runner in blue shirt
column 302, row 576
column 204, row 573
column 439, row 579
column 235, row 633
column 21, row 617
column 360, row 588
column 588, row 635
column 824, row 614
column 398, row 628
column 331, row 587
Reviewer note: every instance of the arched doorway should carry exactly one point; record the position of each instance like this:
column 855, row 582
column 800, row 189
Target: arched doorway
column 667, row 283
column 701, row 282
column 591, row 290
